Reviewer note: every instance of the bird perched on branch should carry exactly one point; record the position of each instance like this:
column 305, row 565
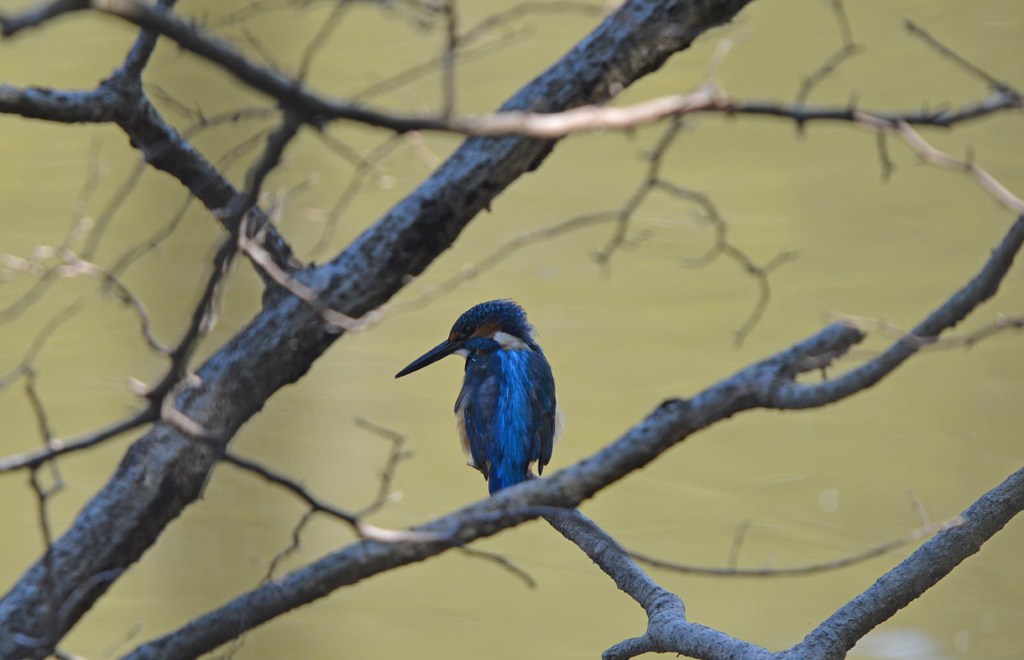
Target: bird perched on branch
column 506, row 412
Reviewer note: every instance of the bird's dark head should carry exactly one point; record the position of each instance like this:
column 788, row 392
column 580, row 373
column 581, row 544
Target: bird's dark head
column 496, row 317
column 493, row 324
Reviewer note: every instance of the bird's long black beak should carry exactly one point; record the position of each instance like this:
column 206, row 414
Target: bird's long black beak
column 430, row 357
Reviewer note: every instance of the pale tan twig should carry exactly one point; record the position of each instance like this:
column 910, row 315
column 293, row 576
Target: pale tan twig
column 596, row 118
column 170, row 415
column 967, row 340
column 919, row 509
column 933, row 156
column 722, row 49
column 307, row 294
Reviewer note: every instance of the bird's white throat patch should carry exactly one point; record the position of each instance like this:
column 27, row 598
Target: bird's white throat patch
column 510, row 342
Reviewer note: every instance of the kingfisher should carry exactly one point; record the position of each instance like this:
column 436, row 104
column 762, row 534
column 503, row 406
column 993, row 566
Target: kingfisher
column 506, row 412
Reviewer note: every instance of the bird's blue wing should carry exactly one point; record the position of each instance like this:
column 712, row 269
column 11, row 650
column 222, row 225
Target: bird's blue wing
column 476, row 404
column 544, row 405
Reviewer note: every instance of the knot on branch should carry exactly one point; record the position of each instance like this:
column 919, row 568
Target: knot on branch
column 772, row 378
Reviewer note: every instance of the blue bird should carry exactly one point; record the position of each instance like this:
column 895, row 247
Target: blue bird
column 506, row 412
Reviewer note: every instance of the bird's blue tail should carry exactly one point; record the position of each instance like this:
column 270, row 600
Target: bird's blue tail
column 503, row 479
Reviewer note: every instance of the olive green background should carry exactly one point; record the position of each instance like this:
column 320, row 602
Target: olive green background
column 812, row 486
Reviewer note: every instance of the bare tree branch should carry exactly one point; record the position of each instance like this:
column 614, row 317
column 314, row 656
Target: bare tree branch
column 58, row 447
column 834, row 61
column 775, row 571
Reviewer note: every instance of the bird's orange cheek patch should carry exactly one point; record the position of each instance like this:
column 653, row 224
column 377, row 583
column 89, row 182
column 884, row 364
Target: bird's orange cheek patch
column 487, row 329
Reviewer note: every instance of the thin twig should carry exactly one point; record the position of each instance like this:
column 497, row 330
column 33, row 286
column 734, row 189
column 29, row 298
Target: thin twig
column 50, row 580
column 966, row 340
column 933, row 156
column 503, row 562
column 334, row 319
column 387, row 476
column 731, row 570
column 847, row 50
column 292, row 548
column 295, row 487
column 367, row 167
column 960, row 60
column 448, row 58
column 59, row 447
column 44, row 334
column 320, row 39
